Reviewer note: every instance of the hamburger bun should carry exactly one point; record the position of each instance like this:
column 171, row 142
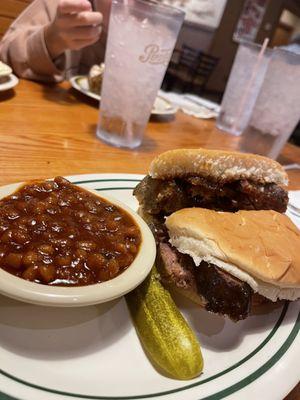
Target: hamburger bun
column 258, row 247
column 218, row 165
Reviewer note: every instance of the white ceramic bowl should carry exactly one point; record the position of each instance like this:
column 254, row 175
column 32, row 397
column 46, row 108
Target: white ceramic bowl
column 30, row 292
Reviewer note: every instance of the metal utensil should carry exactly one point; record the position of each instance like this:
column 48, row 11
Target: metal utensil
column 294, row 210
column 291, row 166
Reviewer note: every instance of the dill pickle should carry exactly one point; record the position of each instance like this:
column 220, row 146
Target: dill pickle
column 166, row 337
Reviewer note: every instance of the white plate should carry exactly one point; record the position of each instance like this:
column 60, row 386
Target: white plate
column 12, row 82
column 192, row 105
column 161, row 106
column 93, row 353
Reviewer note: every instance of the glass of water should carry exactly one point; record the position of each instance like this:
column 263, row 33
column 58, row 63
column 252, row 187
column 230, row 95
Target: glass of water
column 243, row 86
column 141, row 38
column 277, row 109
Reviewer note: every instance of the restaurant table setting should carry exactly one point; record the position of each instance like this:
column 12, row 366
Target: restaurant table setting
column 106, row 218
column 52, row 349
column 32, row 360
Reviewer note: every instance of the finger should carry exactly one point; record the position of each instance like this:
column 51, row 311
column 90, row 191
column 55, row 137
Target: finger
column 80, row 44
column 73, row 6
column 85, row 33
column 86, row 18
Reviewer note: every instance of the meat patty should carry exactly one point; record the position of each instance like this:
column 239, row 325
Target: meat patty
column 155, row 196
column 224, row 293
column 219, row 291
column 163, row 197
column 157, row 225
column 176, row 268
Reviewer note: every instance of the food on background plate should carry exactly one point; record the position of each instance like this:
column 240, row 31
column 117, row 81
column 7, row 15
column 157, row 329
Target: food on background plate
column 56, row 233
column 95, row 78
column 166, row 337
column 219, row 180
column 5, row 71
column 222, row 259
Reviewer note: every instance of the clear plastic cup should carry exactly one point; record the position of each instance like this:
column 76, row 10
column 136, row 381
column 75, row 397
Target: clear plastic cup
column 141, row 38
column 277, row 109
column 243, row 87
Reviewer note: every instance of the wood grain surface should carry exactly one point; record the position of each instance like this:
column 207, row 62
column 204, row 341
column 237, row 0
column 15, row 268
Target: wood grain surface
column 49, row 130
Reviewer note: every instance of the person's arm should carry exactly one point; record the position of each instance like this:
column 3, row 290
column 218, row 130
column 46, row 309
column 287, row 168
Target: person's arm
column 35, row 44
column 23, row 46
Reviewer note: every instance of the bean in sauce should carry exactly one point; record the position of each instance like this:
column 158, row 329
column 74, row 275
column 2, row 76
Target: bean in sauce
column 55, row 233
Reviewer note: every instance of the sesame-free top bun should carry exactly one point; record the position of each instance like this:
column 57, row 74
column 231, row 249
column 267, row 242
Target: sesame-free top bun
column 264, row 244
column 217, row 164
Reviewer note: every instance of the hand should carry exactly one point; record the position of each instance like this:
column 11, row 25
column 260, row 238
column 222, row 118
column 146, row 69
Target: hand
column 75, row 26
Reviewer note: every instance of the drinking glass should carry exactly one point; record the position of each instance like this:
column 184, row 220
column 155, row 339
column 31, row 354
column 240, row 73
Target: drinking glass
column 277, row 109
column 141, row 38
column 243, row 86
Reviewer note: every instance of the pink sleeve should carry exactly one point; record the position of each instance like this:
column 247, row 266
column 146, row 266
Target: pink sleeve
column 23, row 47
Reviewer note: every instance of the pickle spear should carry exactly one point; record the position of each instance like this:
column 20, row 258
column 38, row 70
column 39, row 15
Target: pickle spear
column 166, row 337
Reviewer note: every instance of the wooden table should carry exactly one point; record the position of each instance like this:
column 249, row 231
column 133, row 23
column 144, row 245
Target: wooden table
column 49, row 130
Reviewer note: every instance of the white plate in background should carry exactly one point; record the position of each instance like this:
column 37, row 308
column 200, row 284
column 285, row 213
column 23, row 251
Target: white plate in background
column 161, row 105
column 11, row 83
column 93, row 353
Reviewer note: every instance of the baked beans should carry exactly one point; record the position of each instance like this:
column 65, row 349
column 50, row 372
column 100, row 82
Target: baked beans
column 55, row 233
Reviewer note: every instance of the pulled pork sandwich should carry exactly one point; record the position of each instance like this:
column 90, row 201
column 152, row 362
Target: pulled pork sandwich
column 221, row 259
column 218, row 180
column 211, row 181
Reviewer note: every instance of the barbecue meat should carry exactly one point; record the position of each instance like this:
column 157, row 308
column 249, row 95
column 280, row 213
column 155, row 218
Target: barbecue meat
column 224, row 293
column 176, row 268
column 219, row 291
column 163, row 197
column 216, row 290
column 157, row 225
column 156, row 196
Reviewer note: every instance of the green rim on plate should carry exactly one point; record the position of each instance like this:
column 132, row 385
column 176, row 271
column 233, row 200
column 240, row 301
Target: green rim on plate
column 217, row 396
